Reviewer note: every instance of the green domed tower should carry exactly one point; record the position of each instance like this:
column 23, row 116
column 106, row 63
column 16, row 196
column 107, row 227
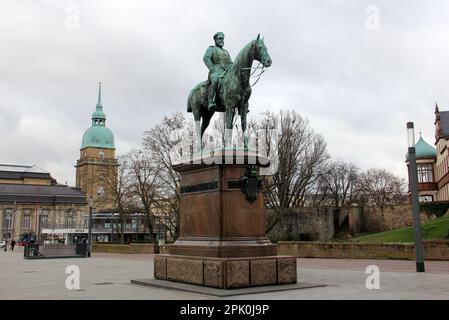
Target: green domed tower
column 426, row 156
column 96, row 170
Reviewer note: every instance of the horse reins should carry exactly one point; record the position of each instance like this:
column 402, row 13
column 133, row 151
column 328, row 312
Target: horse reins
column 255, row 69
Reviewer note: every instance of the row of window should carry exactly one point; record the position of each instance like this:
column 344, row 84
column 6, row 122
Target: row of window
column 425, row 173
column 8, row 220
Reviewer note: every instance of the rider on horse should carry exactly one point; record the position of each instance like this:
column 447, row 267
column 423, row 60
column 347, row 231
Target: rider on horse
column 218, row 61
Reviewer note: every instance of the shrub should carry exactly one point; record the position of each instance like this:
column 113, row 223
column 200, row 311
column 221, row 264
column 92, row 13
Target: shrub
column 437, row 208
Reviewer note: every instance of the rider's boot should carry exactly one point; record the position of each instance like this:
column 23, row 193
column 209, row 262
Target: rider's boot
column 212, row 90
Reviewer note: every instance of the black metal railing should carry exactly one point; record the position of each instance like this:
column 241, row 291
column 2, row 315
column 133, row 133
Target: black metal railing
column 42, row 251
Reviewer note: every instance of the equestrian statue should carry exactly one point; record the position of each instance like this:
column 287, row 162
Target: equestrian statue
column 228, row 87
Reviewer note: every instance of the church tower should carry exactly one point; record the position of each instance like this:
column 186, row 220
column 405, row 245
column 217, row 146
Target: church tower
column 96, row 170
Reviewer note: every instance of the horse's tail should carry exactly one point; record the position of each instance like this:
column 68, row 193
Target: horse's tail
column 193, row 99
column 189, row 105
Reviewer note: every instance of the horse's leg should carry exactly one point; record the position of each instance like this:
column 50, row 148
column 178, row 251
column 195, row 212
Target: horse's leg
column 198, row 133
column 243, row 114
column 230, row 112
column 206, row 120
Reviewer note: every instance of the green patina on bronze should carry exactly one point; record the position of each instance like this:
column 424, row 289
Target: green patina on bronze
column 228, row 87
column 251, row 183
column 218, row 61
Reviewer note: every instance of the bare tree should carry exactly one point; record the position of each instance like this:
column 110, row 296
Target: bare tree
column 160, row 145
column 144, row 174
column 117, row 186
column 379, row 187
column 301, row 156
column 339, row 182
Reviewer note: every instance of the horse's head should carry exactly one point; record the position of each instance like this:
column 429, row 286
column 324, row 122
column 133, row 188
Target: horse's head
column 260, row 52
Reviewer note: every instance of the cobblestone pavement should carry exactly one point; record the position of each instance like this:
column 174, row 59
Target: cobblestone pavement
column 107, row 276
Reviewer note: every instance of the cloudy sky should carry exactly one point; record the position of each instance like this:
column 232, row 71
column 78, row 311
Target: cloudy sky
column 358, row 70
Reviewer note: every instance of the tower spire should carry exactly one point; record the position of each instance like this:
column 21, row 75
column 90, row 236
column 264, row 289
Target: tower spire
column 99, row 117
column 99, row 96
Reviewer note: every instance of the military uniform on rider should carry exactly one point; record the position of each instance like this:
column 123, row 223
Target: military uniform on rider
column 218, row 61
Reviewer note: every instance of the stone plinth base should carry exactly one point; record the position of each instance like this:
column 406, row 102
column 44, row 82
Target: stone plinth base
column 155, row 283
column 223, row 248
column 226, row 273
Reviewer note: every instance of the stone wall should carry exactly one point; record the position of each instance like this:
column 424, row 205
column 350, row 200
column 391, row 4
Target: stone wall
column 304, row 224
column 317, row 224
column 141, row 248
column 433, row 250
column 379, row 219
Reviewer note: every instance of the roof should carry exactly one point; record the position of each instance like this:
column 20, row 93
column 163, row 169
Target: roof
column 19, row 168
column 423, row 150
column 98, row 136
column 444, row 123
column 55, row 194
column 18, row 172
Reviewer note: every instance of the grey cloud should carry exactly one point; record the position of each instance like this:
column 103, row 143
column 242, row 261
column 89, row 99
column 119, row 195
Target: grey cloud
column 358, row 87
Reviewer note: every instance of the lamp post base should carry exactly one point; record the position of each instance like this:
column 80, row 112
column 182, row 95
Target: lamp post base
column 420, row 267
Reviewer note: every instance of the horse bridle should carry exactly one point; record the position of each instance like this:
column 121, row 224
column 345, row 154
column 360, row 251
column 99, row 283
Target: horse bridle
column 255, row 69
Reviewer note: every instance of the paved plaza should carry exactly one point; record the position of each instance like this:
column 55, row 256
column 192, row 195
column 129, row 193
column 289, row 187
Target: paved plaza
column 108, row 276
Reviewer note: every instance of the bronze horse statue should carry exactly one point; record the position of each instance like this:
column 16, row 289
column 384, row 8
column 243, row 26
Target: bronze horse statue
column 233, row 92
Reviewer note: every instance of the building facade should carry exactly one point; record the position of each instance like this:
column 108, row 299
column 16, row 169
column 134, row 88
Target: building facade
column 426, row 157
column 441, row 165
column 433, row 163
column 31, row 200
column 96, row 169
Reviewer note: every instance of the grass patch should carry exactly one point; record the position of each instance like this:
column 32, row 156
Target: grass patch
column 437, row 229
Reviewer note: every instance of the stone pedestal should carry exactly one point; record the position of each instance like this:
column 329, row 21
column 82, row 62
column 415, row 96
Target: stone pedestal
column 226, row 273
column 222, row 240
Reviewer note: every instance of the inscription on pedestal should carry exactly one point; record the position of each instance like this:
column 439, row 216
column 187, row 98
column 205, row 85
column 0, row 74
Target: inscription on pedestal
column 213, row 185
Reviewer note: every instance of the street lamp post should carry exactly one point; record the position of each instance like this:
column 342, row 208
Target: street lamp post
column 413, row 174
column 89, row 235
column 4, row 233
column 38, row 237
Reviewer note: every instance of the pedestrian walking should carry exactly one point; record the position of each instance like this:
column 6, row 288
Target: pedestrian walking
column 13, row 243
